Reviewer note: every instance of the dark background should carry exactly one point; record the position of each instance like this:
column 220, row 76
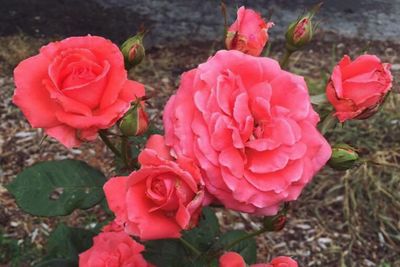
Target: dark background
column 189, row 20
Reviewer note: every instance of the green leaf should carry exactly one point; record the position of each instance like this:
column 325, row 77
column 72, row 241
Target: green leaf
column 58, row 263
column 55, row 188
column 138, row 142
column 67, row 242
column 167, row 253
column 173, row 253
column 203, row 236
column 247, row 248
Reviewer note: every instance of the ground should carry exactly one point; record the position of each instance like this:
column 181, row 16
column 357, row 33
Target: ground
column 341, row 219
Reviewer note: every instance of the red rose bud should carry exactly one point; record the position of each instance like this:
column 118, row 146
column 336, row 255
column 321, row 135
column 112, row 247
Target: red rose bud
column 133, row 50
column 277, row 222
column 135, row 122
column 300, row 32
column 249, row 33
column 343, row 157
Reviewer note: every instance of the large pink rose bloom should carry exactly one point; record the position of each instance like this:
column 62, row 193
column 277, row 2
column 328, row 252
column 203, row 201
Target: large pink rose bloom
column 161, row 199
column 357, row 88
column 249, row 33
column 74, row 87
column 113, row 249
column 251, row 128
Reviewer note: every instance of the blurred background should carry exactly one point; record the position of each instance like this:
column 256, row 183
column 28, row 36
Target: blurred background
column 342, row 219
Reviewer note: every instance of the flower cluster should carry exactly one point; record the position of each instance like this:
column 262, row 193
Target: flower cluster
column 240, row 131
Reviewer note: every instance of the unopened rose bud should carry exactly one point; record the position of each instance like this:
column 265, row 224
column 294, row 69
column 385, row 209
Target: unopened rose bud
column 343, row 157
column 300, row 32
column 133, row 50
column 135, row 122
column 277, row 222
column 249, row 33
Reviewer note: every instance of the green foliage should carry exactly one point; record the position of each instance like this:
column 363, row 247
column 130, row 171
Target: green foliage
column 205, row 238
column 64, row 245
column 173, row 252
column 55, row 188
column 202, row 237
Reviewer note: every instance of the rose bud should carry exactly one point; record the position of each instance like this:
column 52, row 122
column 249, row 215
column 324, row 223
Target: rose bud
column 343, row 157
column 300, row 32
column 281, row 261
column 249, row 33
column 234, row 259
column 133, row 51
column 358, row 88
column 231, row 259
column 135, row 122
column 277, row 222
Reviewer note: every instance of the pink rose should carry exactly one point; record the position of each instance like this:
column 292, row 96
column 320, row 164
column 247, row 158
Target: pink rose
column 74, row 87
column 281, row 261
column 231, row 259
column 160, row 199
column 249, row 33
column 113, row 249
column 357, row 88
column 251, row 128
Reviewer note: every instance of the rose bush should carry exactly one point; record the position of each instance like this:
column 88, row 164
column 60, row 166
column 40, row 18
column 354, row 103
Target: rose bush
column 75, row 87
column 357, row 88
column 240, row 131
column 251, row 128
column 249, row 33
column 113, row 249
column 160, row 199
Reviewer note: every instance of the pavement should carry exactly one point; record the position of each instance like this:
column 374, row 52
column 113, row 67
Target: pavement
column 202, row 20
column 191, row 20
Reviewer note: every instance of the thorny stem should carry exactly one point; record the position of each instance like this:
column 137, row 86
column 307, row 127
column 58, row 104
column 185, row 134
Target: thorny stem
column 108, row 143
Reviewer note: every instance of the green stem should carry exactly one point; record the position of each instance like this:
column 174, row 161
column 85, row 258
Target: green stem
column 125, row 150
column 285, row 60
column 190, row 246
column 328, row 123
column 108, row 143
column 250, row 235
column 237, row 241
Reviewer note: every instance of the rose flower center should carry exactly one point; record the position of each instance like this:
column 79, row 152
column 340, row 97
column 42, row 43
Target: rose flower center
column 161, row 191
